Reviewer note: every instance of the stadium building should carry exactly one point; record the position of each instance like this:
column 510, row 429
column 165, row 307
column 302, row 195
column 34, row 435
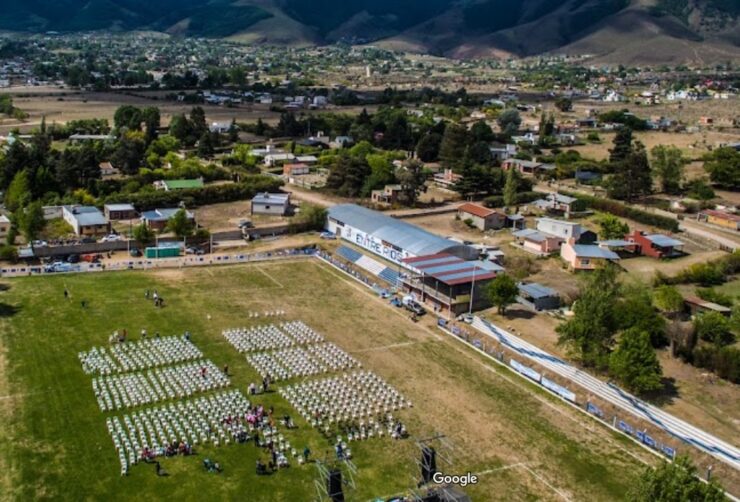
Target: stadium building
column 437, row 271
column 390, row 238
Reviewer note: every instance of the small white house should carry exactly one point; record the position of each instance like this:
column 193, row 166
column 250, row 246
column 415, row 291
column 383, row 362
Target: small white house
column 564, row 229
column 275, row 204
column 86, row 220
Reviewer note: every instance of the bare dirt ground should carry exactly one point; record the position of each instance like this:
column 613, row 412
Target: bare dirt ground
column 644, row 267
column 693, row 145
column 226, row 216
column 63, row 105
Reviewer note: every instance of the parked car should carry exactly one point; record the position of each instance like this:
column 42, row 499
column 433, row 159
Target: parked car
column 328, row 236
column 194, row 250
column 111, row 238
column 87, row 240
column 73, row 258
column 245, row 224
column 135, row 252
column 39, row 244
column 413, row 306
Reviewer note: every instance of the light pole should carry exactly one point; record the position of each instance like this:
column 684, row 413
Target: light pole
column 472, row 290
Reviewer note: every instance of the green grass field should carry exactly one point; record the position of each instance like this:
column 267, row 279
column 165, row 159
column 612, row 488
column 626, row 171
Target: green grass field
column 54, row 444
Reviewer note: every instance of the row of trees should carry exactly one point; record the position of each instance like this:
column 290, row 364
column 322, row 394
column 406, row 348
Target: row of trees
column 358, row 171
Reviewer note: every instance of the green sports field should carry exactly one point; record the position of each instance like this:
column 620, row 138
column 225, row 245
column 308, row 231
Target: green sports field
column 54, row 443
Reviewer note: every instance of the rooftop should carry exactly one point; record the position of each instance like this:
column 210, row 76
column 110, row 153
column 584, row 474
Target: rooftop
column 86, row 215
column 535, row 290
column 588, row 251
column 664, row 241
column 476, row 210
column 396, row 232
column 271, row 198
column 449, row 269
column 119, row 207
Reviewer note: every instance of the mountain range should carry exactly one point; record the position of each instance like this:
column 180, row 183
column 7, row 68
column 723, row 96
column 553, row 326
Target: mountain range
column 618, row 30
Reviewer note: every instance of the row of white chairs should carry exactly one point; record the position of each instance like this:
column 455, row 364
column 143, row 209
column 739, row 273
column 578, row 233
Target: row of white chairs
column 344, row 398
column 173, row 382
column 266, row 313
column 333, row 357
column 138, row 355
column 258, row 338
column 198, row 421
column 297, row 362
column 301, row 333
column 284, row 364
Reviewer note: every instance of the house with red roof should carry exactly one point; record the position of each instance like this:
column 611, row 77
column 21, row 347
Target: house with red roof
column 481, row 217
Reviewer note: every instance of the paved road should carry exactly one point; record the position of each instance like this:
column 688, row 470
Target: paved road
column 676, row 427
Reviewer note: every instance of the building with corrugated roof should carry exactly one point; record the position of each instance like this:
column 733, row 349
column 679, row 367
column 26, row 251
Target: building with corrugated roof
column 390, row 238
column 449, row 283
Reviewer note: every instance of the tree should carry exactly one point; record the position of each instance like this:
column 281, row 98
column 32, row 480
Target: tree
column 714, row 327
column 19, row 191
column 546, row 128
column 182, row 129
column 611, row 227
column 632, row 177
column 128, row 117
column 667, row 164
column 152, row 119
column 481, row 132
column 622, row 145
column 128, row 155
column 564, row 104
column 667, row 299
column 502, row 292
column 589, row 334
column 31, row 220
column 427, row 149
column 634, row 362
column 509, row 122
column 411, row 177
column 205, row 145
column 313, row 217
column 635, row 310
column 511, row 187
column 452, row 148
column 198, row 121
column 180, row 224
column 143, row 234
column 673, row 481
column 723, row 166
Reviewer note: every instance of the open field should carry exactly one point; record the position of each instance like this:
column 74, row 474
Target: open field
column 63, row 105
column 53, row 442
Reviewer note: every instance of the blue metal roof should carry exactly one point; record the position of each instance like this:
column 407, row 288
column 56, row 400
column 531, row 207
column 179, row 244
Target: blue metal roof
column 398, row 233
column 588, row 251
column 535, row 290
column 664, row 241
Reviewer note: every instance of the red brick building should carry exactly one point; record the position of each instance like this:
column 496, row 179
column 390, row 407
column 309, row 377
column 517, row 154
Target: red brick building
column 655, row 245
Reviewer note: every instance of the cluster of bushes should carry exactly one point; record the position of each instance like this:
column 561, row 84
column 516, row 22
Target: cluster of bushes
column 521, row 198
column 625, row 211
column 724, row 361
column 709, row 273
column 248, row 188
